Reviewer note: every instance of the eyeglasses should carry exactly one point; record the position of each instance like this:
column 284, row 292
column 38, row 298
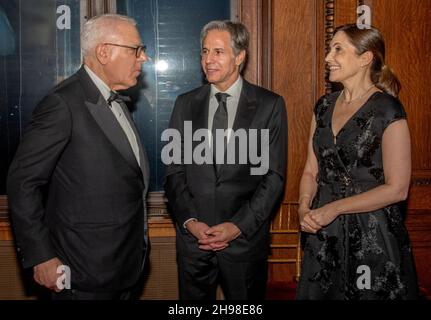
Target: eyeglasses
column 139, row 50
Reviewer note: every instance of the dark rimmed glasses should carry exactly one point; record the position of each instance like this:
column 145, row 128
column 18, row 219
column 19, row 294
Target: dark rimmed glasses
column 139, row 50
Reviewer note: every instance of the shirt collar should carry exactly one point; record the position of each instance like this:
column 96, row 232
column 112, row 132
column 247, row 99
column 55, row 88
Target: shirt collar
column 100, row 84
column 234, row 90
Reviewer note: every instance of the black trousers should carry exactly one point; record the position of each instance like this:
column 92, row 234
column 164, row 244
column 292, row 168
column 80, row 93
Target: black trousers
column 199, row 277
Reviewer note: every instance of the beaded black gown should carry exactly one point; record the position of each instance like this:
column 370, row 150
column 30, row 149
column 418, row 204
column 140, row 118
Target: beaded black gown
column 358, row 256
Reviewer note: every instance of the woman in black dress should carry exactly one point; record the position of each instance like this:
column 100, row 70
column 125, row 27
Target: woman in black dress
column 356, row 174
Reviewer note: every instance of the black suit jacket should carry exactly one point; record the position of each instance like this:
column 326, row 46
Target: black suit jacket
column 76, row 191
column 233, row 194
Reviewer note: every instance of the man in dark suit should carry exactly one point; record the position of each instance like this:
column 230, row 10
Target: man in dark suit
column 77, row 185
column 223, row 210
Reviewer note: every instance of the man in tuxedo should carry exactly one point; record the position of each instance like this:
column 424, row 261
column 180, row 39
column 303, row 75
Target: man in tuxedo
column 222, row 210
column 78, row 182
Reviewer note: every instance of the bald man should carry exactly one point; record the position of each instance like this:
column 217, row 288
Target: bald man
column 77, row 185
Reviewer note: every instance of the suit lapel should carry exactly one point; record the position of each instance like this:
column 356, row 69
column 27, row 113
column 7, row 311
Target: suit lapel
column 144, row 169
column 244, row 114
column 112, row 129
column 200, row 108
column 99, row 109
column 142, row 153
column 246, row 107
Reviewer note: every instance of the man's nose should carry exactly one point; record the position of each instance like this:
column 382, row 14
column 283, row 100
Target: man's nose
column 143, row 58
column 208, row 58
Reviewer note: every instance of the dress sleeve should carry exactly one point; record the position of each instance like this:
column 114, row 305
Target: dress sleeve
column 393, row 110
column 318, row 104
column 323, row 105
column 319, row 107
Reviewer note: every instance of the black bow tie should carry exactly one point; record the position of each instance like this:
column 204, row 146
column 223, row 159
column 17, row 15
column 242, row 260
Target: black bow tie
column 114, row 96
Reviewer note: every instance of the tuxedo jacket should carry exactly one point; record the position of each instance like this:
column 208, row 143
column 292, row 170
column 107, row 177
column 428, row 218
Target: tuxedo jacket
column 230, row 194
column 77, row 192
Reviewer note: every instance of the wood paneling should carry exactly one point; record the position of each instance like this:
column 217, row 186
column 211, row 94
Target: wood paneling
column 294, row 73
column 294, row 77
column 324, row 20
column 285, row 258
column 408, row 52
column 11, row 277
column 418, row 223
column 301, row 33
column 345, row 11
column 248, row 14
column 255, row 15
column 162, row 277
column 5, row 230
column 406, row 27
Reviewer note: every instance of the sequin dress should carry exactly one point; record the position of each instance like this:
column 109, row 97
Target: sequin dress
column 357, row 256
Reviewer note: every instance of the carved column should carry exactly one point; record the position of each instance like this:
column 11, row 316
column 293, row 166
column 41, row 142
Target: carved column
column 329, row 30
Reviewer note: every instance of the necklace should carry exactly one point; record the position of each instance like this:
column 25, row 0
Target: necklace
column 357, row 98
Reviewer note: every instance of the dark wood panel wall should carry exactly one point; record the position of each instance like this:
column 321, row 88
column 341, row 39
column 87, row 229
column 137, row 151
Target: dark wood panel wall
column 301, row 31
column 406, row 26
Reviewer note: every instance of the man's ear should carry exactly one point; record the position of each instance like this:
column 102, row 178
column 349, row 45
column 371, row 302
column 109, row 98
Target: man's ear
column 102, row 53
column 366, row 58
column 240, row 58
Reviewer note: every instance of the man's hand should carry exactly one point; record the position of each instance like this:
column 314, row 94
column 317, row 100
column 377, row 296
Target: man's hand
column 198, row 230
column 46, row 274
column 220, row 235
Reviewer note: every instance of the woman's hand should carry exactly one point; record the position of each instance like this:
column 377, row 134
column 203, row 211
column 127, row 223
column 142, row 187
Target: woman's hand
column 305, row 221
column 324, row 215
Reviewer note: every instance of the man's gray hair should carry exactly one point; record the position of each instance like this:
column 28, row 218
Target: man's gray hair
column 99, row 29
column 238, row 33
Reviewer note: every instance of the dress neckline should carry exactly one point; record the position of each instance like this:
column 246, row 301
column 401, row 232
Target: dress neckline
column 354, row 115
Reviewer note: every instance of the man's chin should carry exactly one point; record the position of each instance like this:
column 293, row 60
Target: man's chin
column 212, row 80
column 131, row 83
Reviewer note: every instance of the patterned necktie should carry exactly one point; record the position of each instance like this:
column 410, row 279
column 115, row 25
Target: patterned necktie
column 220, row 121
